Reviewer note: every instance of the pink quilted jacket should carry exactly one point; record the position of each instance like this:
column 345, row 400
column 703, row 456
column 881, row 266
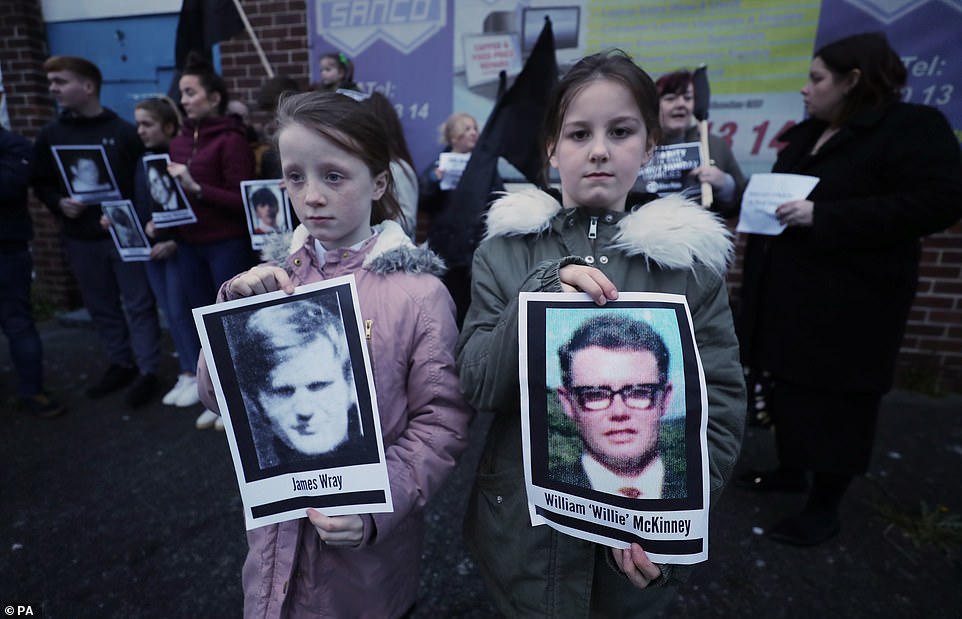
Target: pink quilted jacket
column 424, row 422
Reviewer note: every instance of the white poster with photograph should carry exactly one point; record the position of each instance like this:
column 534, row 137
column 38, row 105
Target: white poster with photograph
column 614, row 416
column 268, row 209
column 86, row 173
column 294, row 385
column 169, row 205
column 129, row 237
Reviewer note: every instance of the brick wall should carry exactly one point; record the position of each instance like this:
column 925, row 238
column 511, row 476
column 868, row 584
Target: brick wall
column 23, row 48
column 281, row 28
column 931, row 355
column 932, row 352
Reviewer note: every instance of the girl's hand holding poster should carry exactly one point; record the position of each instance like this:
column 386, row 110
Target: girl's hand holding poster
column 293, row 380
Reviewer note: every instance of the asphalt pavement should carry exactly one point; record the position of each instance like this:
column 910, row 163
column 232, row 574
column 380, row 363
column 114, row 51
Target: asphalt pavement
column 111, row 512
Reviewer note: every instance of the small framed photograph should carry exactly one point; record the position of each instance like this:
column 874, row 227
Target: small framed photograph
column 125, row 228
column 86, row 173
column 169, row 205
column 294, row 385
column 268, row 209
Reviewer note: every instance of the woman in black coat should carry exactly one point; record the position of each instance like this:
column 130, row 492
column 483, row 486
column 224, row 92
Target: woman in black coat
column 824, row 304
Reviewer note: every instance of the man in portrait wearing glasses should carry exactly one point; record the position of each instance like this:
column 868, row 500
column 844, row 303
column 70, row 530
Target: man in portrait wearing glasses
column 615, row 389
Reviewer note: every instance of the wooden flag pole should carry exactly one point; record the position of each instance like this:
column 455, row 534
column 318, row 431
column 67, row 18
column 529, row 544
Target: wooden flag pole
column 699, row 82
column 254, row 40
column 706, row 192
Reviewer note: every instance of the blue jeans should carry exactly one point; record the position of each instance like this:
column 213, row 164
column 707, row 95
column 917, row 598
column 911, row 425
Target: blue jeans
column 204, row 267
column 16, row 320
column 165, row 281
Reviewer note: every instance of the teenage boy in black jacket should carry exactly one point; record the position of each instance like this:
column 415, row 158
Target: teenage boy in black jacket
column 132, row 337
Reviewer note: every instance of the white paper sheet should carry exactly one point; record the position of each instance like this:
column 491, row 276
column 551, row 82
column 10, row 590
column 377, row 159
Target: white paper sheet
column 452, row 166
column 764, row 193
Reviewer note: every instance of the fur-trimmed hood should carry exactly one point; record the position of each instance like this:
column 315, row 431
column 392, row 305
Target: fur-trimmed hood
column 673, row 232
column 391, row 250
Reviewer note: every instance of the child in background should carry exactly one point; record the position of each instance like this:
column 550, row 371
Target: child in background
column 601, row 128
column 158, row 121
column 337, row 71
column 336, row 170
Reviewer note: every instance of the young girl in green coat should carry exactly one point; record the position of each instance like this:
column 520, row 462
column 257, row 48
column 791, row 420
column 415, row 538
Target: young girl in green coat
column 600, row 239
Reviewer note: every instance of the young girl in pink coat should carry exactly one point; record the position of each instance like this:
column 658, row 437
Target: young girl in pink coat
column 336, row 171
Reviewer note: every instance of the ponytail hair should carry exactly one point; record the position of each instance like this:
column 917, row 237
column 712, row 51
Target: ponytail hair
column 210, row 81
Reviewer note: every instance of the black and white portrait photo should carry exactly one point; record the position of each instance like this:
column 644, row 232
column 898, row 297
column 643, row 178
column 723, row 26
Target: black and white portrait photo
column 169, row 204
column 125, row 229
column 86, row 173
column 614, row 421
column 294, row 369
column 294, row 385
column 267, row 207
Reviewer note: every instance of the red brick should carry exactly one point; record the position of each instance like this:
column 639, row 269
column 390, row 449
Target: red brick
column 950, row 257
column 289, row 18
column 928, row 329
column 933, row 301
column 953, row 317
column 940, row 272
column 945, row 240
column 930, row 255
column 942, row 345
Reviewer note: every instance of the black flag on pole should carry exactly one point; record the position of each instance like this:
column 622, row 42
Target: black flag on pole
column 512, row 131
column 203, row 24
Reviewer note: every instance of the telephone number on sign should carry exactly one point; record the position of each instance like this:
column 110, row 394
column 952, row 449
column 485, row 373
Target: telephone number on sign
column 759, row 133
column 765, row 133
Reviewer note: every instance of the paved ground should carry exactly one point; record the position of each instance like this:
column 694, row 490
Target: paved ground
column 107, row 512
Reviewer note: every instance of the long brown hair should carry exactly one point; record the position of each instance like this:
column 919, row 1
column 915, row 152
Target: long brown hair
column 381, row 107
column 614, row 65
column 353, row 128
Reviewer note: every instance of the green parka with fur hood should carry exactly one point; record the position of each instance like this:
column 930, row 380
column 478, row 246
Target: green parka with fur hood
column 666, row 245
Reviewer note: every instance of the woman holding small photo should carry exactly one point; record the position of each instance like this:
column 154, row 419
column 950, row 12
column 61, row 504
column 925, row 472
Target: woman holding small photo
column 158, row 121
